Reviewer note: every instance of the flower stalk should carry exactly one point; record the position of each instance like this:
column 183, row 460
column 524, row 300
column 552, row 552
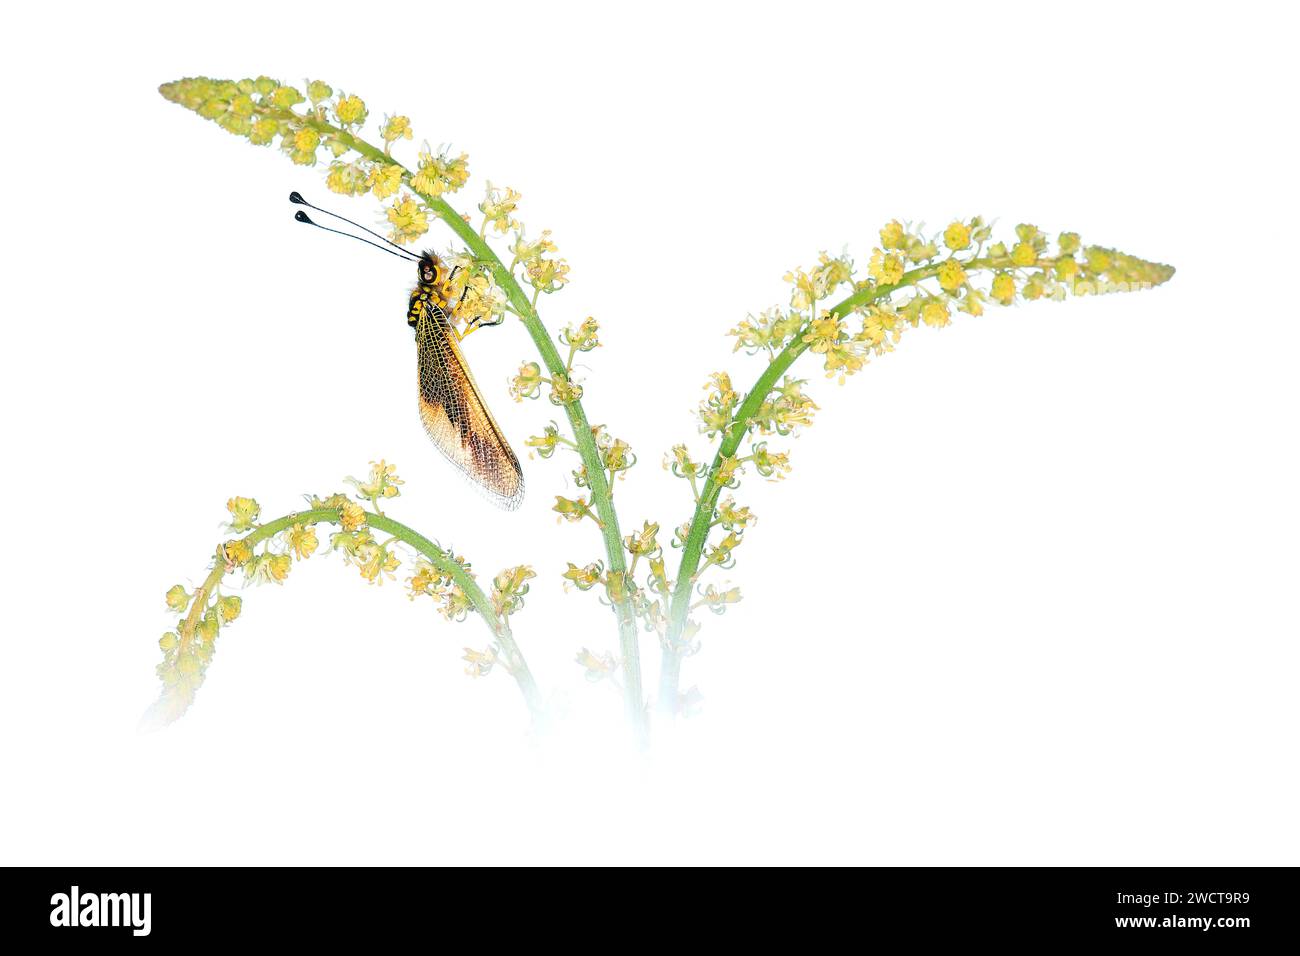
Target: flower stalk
column 701, row 522
column 706, row 501
column 190, row 642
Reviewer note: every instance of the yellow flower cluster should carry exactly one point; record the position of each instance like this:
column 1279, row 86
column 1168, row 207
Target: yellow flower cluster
column 719, row 403
column 189, row 646
column 907, row 244
column 597, row 666
column 586, row 577
column 643, row 543
column 384, row 180
column 717, row 601
column 268, row 568
column 438, row 173
column 243, row 514
column 261, row 109
column 573, row 509
column 382, row 483
column 408, row 218
column 582, row 337
column 769, row 331
column 348, row 179
column 615, row 454
column 785, row 410
column 479, row 663
column 1029, row 268
column 453, row 603
column 543, row 273
column 509, row 588
column 528, row 383
column 770, row 464
column 819, row 282
column 547, row 442
column 720, row 554
column 301, row 540
column 350, row 110
column 374, row 561
column 830, row 338
column 733, row 518
column 564, row 390
column 498, row 208
column 351, row 516
column 395, row 128
column 678, row 461
column 547, row 275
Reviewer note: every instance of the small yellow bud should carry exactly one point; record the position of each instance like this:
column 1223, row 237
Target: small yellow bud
column 408, row 219
column 301, row 540
column 893, row 236
column 351, row 516
column 177, row 599
column 384, row 180
column 395, row 128
column 237, row 552
column 951, row 275
column 957, row 236
column 935, row 314
column 350, row 110
column 285, row 97
column 228, row 608
column 244, row 513
column 318, row 92
column 528, row 383
column 886, row 269
column 1004, row 288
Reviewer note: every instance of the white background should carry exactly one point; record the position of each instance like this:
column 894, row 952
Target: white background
column 1029, row 595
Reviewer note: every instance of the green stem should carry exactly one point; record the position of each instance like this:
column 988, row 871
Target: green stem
column 524, row 307
column 707, row 500
column 499, row 626
column 601, row 497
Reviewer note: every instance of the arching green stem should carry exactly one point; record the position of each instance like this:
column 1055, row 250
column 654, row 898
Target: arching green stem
column 499, row 626
column 732, row 435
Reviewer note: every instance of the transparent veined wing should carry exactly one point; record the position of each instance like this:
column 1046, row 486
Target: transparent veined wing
column 456, row 417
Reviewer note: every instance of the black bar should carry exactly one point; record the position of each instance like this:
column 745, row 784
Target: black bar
column 1166, row 906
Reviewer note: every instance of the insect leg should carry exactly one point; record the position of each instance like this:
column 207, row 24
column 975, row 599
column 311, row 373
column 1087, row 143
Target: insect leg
column 475, row 324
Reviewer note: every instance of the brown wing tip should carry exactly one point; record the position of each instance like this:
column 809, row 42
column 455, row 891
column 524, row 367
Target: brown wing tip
column 492, row 470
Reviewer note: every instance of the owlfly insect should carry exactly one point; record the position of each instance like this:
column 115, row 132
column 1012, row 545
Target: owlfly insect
column 451, row 405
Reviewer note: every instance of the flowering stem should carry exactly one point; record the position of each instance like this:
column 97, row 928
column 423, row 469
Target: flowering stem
column 707, row 500
column 601, row 496
column 499, row 627
column 525, row 308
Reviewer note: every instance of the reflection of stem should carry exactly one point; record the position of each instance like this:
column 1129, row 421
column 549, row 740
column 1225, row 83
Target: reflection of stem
column 526, row 309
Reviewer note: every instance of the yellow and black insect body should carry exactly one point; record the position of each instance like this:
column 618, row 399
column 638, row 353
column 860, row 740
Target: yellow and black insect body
column 451, row 406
